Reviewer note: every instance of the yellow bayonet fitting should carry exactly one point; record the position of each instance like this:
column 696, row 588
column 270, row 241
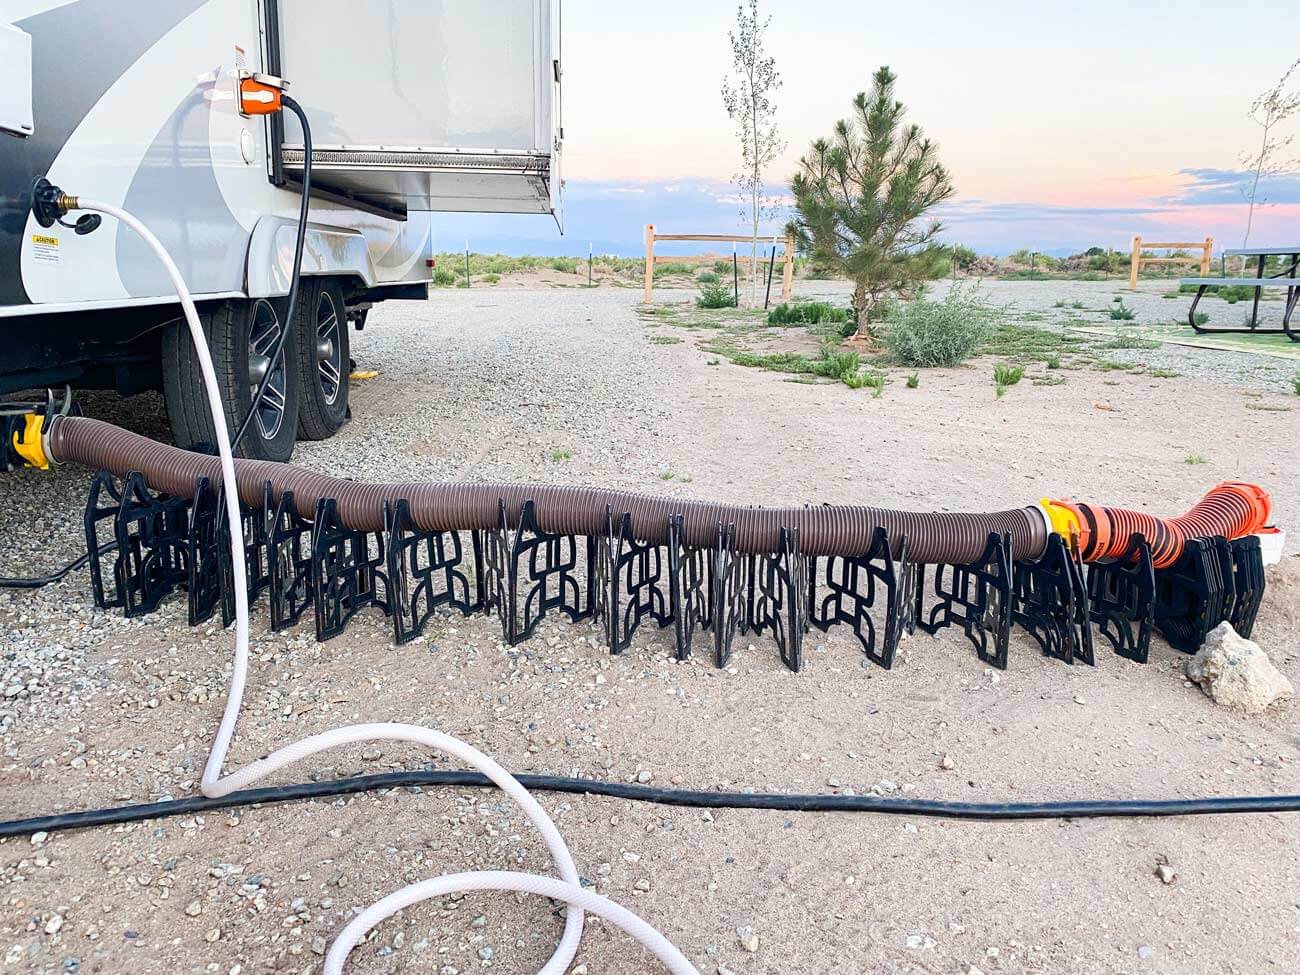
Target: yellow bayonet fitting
column 1064, row 520
column 29, row 442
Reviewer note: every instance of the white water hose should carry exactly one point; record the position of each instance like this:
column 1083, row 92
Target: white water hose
column 565, row 888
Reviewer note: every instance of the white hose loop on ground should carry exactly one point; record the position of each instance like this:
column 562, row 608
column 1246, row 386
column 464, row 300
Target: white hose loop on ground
column 528, row 883
column 566, row 888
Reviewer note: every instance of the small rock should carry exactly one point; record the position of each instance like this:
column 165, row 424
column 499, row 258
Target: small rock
column 748, row 939
column 1166, row 873
column 1146, row 951
column 1080, row 699
column 39, row 837
column 974, row 970
column 642, row 885
column 1236, row 673
column 947, row 764
column 644, row 776
column 54, row 925
column 194, row 908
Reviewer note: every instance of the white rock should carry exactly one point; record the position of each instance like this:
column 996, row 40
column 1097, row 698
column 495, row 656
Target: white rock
column 1236, row 673
column 748, row 939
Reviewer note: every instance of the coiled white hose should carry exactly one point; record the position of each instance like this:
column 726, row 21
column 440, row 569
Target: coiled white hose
column 565, row 888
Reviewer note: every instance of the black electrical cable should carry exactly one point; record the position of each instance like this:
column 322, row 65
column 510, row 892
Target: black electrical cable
column 38, row 582
column 940, row 808
column 299, row 244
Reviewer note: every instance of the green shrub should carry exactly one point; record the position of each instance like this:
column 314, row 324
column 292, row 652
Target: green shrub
column 568, row 265
column 1196, row 459
column 937, row 333
column 834, row 363
column 491, row 278
column 914, row 380
column 962, row 257
column 1231, row 293
column 1053, row 361
column 1121, row 312
column 707, row 277
column 669, row 268
column 716, row 295
column 443, row 277
column 1005, row 375
column 722, row 267
column 1127, row 340
column 854, row 380
column 1201, row 317
column 807, row 313
column 1295, row 384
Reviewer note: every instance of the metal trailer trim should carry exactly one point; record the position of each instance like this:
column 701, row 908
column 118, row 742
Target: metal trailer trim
column 108, row 304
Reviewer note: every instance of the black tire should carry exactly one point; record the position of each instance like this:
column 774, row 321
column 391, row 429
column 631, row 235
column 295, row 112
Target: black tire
column 323, row 359
column 229, row 326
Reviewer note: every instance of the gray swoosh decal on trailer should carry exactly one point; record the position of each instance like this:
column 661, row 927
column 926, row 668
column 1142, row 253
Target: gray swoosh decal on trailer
column 78, row 52
column 175, row 192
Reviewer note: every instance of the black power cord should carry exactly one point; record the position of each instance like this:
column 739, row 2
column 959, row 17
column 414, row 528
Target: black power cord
column 299, row 244
column 39, row 581
column 938, row 808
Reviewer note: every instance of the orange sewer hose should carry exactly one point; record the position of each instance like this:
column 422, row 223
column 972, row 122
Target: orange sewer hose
column 1232, row 509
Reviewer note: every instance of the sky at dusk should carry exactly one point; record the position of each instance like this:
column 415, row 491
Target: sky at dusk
column 1063, row 125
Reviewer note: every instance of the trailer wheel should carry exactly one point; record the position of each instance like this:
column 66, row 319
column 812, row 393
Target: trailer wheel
column 323, row 360
column 241, row 334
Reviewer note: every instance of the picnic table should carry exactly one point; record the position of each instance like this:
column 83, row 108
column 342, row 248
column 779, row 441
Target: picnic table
column 1286, row 278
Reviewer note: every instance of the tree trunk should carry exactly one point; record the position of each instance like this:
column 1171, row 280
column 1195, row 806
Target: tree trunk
column 860, row 307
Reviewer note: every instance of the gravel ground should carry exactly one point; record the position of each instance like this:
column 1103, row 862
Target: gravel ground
column 567, row 386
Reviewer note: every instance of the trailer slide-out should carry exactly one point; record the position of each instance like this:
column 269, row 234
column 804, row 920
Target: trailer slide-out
column 415, row 106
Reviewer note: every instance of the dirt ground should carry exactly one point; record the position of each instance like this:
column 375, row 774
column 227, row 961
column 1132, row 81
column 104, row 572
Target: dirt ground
column 487, row 385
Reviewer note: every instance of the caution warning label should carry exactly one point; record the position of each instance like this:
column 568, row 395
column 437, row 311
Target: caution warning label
column 45, row 248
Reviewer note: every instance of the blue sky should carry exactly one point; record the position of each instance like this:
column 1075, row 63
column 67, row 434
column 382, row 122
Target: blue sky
column 1063, row 125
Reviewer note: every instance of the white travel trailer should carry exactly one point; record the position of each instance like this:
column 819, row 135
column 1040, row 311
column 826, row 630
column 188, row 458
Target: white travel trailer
column 415, row 107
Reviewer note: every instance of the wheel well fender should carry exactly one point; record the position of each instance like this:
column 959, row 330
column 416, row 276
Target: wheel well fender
column 327, row 250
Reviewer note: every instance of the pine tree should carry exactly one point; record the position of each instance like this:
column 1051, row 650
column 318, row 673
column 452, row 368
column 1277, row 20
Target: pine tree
column 860, row 197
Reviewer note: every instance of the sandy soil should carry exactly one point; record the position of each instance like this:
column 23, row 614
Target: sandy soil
column 127, row 710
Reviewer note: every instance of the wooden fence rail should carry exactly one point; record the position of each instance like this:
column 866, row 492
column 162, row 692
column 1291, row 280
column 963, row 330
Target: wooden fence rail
column 787, row 275
column 1206, row 247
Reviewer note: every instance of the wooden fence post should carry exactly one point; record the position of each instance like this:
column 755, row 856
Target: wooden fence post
column 649, row 262
column 1135, row 266
column 1207, row 256
column 787, row 271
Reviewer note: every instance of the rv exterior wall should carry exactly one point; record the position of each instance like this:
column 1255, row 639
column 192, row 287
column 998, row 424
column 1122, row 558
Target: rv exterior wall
column 438, row 105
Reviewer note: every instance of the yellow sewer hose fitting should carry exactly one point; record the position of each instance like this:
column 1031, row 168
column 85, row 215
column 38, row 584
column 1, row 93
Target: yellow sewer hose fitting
column 29, row 442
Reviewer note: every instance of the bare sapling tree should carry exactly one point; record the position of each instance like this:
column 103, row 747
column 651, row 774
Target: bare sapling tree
column 1273, row 107
column 860, row 199
column 748, row 97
